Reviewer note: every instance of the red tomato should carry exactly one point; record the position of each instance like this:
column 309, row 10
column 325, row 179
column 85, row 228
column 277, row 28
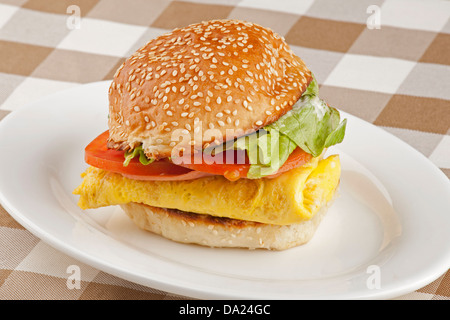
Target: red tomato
column 98, row 155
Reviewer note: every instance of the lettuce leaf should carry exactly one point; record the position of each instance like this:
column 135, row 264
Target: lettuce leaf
column 311, row 125
column 138, row 151
column 312, row 89
column 267, row 151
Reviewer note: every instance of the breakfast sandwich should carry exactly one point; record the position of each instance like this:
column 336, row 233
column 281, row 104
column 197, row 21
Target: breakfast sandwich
column 217, row 137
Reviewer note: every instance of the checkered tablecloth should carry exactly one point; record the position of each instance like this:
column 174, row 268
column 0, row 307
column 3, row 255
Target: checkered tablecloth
column 387, row 62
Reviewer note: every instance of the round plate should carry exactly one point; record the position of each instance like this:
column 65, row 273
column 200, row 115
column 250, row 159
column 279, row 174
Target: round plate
column 386, row 234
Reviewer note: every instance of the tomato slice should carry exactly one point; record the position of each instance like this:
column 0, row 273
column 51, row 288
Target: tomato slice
column 234, row 172
column 98, row 155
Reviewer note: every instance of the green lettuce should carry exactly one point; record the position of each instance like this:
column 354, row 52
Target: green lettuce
column 312, row 89
column 311, row 125
column 136, row 152
column 267, row 151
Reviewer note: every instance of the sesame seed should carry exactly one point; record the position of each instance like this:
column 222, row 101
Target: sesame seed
column 259, row 123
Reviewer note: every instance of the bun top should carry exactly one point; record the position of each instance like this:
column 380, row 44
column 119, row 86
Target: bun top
column 203, row 84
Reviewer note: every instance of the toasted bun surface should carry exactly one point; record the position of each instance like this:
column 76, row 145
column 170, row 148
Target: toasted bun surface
column 206, row 230
column 220, row 74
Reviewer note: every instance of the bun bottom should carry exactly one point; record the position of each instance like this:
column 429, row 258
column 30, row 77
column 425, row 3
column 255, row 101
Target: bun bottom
column 207, row 230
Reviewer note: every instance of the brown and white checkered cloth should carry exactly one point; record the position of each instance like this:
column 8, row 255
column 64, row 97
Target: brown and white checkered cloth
column 387, row 62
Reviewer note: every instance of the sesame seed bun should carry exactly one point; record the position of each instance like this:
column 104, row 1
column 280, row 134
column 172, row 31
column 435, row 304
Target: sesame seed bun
column 220, row 74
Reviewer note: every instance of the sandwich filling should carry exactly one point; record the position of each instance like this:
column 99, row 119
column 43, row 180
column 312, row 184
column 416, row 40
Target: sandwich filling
column 292, row 197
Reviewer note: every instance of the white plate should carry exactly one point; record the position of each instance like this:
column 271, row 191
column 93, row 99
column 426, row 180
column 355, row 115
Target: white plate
column 386, row 235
